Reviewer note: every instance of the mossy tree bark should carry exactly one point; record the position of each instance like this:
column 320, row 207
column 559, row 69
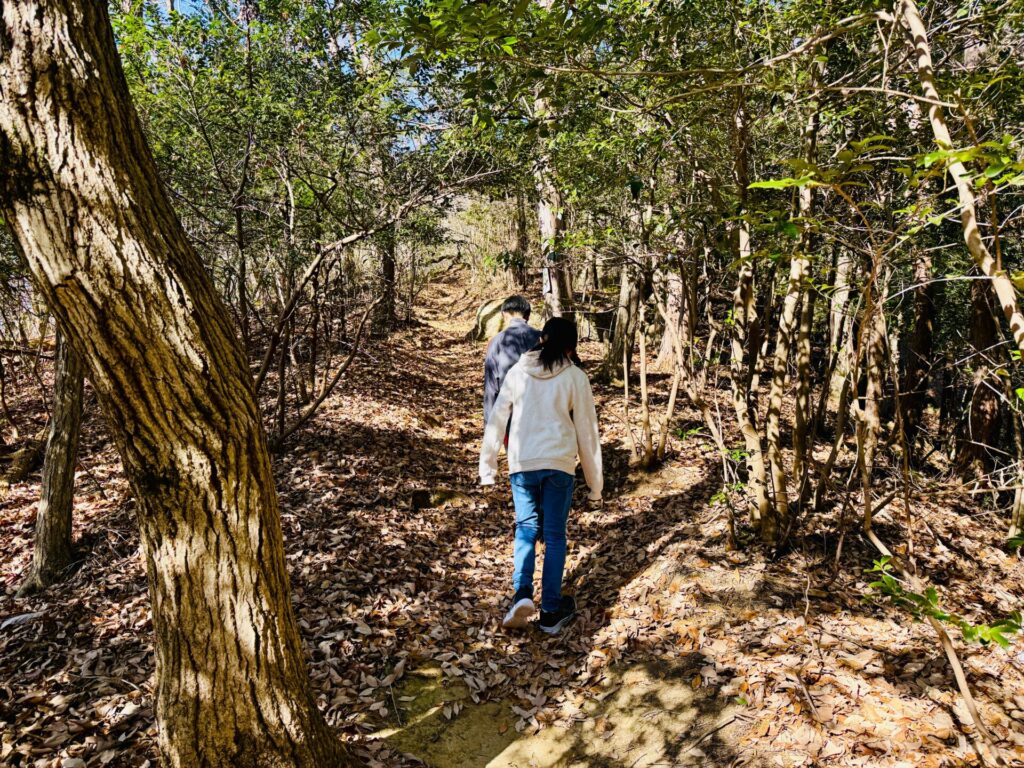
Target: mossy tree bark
column 52, row 553
column 82, row 196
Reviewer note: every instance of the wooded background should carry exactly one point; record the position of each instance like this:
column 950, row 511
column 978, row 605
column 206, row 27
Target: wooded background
column 802, row 220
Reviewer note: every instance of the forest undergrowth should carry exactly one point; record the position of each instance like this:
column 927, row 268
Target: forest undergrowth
column 399, row 562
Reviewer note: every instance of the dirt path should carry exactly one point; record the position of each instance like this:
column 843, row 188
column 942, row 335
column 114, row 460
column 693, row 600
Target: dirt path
column 525, row 679
column 683, row 653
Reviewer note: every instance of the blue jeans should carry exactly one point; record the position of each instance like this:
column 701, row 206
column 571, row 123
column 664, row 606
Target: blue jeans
column 542, row 498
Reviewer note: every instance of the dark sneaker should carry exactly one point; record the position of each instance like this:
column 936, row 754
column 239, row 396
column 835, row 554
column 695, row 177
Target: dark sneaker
column 522, row 609
column 553, row 623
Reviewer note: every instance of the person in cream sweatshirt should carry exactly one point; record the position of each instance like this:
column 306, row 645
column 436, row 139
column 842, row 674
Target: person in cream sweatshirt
column 553, row 420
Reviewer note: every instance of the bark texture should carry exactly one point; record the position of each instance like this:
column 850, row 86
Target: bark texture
column 82, row 197
column 558, row 299
column 52, row 554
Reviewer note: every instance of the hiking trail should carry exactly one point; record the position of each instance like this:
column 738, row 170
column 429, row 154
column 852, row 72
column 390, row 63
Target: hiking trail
column 683, row 653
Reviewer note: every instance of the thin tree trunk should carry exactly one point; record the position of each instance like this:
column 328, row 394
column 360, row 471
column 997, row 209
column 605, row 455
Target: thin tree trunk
column 624, row 328
column 670, row 410
column 840, row 329
column 1017, row 509
column 799, row 274
column 673, row 305
column 803, row 433
column 977, row 447
column 282, row 379
column 914, row 390
column 522, row 246
column 243, row 300
column 556, row 288
column 962, row 178
column 314, row 341
column 52, row 553
column 384, row 314
column 625, row 405
column 757, row 481
column 558, row 300
column 4, row 405
column 646, row 433
column 869, row 422
column 757, row 339
column 743, row 316
column 799, row 268
column 82, row 196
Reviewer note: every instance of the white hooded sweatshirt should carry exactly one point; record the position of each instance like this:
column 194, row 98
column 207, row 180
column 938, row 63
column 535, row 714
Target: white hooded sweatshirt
column 553, row 421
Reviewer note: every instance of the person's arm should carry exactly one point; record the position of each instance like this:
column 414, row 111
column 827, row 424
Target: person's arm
column 494, row 433
column 588, row 436
column 490, row 381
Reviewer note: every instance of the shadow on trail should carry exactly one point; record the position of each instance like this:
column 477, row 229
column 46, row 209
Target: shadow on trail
column 623, row 543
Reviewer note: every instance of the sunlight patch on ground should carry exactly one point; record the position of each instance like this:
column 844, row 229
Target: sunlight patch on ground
column 640, row 716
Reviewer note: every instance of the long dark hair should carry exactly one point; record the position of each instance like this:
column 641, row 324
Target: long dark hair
column 558, row 343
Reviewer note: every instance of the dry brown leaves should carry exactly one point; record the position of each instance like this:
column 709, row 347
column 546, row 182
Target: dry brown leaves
column 383, row 586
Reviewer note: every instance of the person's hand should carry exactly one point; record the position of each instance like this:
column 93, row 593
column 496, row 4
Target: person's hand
column 597, row 503
column 491, row 492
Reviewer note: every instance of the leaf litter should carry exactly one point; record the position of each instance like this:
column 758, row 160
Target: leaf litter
column 400, row 568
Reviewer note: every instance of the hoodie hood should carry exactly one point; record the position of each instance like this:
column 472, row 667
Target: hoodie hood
column 531, row 364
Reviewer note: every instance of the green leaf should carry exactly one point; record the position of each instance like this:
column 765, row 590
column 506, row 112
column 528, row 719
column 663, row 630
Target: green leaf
column 520, row 8
column 781, row 183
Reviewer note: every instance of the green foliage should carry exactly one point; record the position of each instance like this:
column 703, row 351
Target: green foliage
column 504, row 260
column 686, row 434
column 926, row 604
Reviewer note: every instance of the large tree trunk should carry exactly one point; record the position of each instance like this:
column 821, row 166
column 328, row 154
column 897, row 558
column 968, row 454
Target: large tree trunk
column 52, row 554
column 82, row 197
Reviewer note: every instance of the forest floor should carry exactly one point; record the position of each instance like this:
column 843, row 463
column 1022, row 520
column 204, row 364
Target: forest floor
column 684, row 653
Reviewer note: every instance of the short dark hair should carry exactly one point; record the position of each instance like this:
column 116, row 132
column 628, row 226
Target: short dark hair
column 516, row 305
